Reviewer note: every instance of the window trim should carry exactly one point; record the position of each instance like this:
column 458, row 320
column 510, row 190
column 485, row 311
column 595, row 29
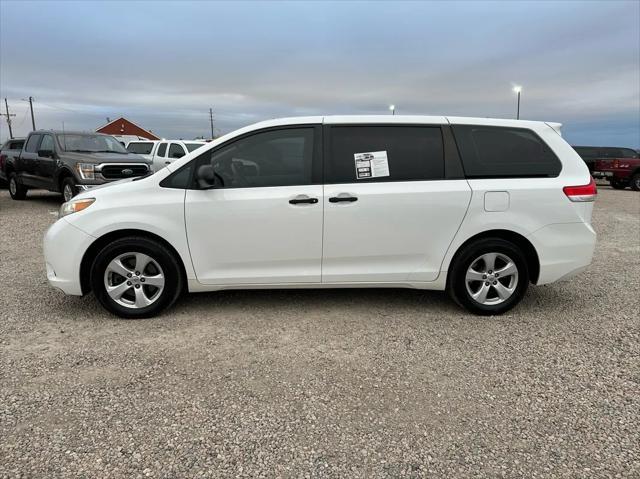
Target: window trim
column 316, row 159
column 488, row 177
column 450, row 156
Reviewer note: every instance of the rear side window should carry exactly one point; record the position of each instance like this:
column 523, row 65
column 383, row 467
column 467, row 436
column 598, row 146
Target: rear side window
column 162, row 149
column 32, row 144
column 587, row 153
column 412, row 153
column 193, row 146
column 176, row 151
column 141, row 148
column 497, row 152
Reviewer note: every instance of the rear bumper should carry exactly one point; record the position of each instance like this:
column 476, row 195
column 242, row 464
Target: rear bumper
column 609, row 175
column 564, row 250
column 64, row 247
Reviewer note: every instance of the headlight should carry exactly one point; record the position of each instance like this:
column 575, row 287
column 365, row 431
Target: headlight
column 86, row 171
column 74, row 206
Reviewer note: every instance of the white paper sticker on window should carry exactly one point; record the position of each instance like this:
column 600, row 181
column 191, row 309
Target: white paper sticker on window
column 373, row 164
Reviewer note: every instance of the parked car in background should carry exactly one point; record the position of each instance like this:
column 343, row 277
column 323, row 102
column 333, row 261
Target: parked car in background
column 8, row 152
column 69, row 162
column 478, row 207
column 620, row 172
column 163, row 153
column 619, row 166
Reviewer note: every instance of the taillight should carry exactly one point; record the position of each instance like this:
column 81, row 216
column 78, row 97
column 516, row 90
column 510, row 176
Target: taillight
column 582, row 193
column 616, row 164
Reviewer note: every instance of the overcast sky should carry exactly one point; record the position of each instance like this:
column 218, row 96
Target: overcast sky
column 163, row 64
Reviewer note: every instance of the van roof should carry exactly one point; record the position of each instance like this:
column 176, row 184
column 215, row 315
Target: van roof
column 404, row 119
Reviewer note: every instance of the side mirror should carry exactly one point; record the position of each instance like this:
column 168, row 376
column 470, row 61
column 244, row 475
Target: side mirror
column 207, row 178
column 45, row 153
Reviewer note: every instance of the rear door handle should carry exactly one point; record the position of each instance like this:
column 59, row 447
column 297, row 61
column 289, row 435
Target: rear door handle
column 338, row 199
column 300, row 200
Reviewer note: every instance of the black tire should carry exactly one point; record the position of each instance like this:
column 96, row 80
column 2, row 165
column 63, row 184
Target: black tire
column 68, row 187
column 170, row 269
column 618, row 184
column 17, row 190
column 635, row 182
column 465, row 258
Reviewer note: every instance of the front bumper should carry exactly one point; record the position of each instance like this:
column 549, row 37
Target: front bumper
column 564, row 250
column 64, row 247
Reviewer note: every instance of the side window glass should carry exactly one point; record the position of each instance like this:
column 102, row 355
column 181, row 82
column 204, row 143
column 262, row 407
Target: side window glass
column 499, row 152
column 176, row 151
column 47, row 143
column 162, row 150
column 384, row 153
column 272, row 158
column 32, row 144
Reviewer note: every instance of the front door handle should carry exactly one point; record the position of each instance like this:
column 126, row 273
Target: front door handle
column 338, row 199
column 299, row 200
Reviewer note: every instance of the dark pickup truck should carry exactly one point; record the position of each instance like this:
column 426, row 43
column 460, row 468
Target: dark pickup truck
column 619, row 166
column 68, row 162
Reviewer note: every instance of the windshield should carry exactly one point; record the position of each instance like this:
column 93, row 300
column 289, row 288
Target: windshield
column 193, row 146
column 90, row 143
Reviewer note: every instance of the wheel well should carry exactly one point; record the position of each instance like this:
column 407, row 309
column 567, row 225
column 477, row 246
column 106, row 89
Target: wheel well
column 530, row 253
column 64, row 173
column 98, row 244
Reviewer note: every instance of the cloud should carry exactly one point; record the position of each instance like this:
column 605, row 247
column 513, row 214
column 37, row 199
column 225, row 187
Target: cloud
column 165, row 67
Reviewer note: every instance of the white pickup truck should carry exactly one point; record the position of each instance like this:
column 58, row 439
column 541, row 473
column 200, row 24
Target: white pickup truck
column 163, row 152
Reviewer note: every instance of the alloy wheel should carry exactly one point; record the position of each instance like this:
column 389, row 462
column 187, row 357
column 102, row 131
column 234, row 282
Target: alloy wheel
column 67, row 192
column 491, row 278
column 134, row 280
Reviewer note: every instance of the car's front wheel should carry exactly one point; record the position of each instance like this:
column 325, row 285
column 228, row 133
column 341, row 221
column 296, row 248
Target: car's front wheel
column 489, row 276
column 16, row 190
column 69, row 188
column 136, row 277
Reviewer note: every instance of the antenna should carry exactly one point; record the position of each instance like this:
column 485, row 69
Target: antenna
column 64, row 138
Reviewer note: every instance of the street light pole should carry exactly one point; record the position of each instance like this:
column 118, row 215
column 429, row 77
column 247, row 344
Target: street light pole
column 518, row 90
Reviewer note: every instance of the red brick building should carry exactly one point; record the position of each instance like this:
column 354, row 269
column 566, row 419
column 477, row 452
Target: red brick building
column 122, row 126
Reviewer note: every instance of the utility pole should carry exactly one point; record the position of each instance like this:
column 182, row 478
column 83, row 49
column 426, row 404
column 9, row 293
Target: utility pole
column 211, row 121
column 8, row 115
column 33, row 121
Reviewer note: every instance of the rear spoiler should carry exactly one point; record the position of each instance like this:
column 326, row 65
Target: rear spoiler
column 555, row 126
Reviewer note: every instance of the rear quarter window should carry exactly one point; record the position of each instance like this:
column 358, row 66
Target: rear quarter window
column 499, row 152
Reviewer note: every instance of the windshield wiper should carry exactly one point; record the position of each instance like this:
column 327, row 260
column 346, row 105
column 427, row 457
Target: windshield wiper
column 82, row 151
column 111, row 151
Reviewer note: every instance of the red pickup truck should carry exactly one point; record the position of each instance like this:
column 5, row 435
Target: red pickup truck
column 619, row 166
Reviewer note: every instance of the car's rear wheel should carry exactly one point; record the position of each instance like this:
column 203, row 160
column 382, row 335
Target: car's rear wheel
column 489, row 276
column 618, row 184
column 16, row 190
column 136, row 277
column 635, row 182
column 69, row 188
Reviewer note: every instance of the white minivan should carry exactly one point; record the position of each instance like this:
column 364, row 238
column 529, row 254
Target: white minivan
column 478, row 207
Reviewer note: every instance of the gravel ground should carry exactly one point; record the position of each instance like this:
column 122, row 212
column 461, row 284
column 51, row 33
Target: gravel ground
column 333, row 383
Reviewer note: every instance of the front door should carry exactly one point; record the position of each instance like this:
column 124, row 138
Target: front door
column 390, row 212
column 263, row 223
column 46, row 163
